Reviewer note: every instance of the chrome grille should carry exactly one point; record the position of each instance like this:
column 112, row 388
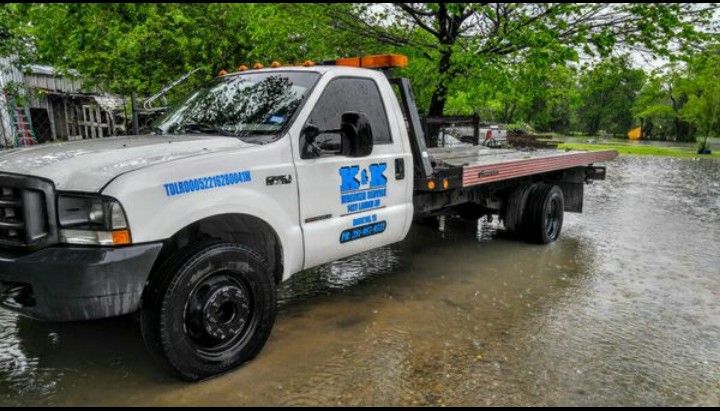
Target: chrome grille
column 12, row 221
column 27, row 211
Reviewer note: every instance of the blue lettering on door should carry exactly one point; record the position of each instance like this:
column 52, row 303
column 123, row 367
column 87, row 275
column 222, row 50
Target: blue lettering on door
column 348, row 177
column 357, row 233
column 363, row 189
column 377, row 176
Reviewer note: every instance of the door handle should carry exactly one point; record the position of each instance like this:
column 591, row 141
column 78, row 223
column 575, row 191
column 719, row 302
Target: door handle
column 399, row 168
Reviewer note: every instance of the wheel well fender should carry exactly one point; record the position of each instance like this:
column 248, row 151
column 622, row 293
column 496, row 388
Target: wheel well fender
column 245, row 229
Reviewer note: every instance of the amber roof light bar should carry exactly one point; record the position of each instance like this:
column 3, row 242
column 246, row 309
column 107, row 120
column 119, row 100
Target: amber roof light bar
column 378, row 61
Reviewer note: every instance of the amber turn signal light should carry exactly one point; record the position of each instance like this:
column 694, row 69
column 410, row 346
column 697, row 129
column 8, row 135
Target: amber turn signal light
column 121, row 237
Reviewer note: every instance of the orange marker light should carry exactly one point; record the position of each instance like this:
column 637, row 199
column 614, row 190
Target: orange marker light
column 385, row 60
column 275, row 64
column 446, row 183
column 308, row 63
column 431, row 184
column 348, row 61
column 376, row 61
column 121, row 237
column 258, row 66
column 242, row 67
column 222, row 72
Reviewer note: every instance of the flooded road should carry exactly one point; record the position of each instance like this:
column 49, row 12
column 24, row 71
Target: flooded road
column 623, row 309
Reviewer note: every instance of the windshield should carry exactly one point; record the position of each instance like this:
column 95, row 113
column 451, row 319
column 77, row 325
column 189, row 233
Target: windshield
column 254, row 106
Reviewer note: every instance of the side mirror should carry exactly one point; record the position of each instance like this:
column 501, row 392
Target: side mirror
column 356, row 139
column 308, row 145
column 310, row 132
column 356, row 135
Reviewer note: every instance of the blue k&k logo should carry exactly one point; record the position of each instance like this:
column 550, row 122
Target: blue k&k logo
column 354, row 179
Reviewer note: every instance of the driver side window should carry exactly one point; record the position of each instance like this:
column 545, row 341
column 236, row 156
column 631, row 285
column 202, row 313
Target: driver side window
column 342, row 95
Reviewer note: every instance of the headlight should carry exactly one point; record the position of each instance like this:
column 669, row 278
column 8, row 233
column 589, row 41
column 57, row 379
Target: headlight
column 92, row 220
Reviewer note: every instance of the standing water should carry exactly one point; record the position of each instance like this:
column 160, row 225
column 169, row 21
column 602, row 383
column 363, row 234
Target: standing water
column 623, row 309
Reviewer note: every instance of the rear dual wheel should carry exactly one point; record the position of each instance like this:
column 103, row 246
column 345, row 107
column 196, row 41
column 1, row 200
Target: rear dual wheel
column 543, row 217
column 535, row 213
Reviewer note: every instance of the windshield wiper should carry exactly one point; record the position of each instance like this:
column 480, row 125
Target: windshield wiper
column 205, row 128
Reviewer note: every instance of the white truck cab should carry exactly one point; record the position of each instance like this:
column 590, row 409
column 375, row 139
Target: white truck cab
column 272, row 171
column 252, row 178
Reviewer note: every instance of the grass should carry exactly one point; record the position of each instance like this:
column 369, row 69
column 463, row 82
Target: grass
column 640, row 150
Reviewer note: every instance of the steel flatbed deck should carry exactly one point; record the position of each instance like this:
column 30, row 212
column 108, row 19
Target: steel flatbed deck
column 470, row 166
column 482, row 165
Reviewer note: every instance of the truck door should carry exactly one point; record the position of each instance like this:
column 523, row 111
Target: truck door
column 352, row 204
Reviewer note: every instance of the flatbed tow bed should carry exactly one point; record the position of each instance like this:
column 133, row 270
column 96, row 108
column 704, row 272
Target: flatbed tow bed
column 477, row 180
column 482, row 166
column 463, row 175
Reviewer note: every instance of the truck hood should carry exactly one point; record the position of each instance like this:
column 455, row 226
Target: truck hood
column 88, row 165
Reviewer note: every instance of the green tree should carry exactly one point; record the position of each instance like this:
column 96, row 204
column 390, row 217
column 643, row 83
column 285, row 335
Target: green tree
column 534, row 92
column 542, row 95
column 297, row 32
column 607, row 94
column 137, row 47
column 505, row 62
column 450, row 35
column 14, row 45
column 660, row 103
column 703, row 89
column 141, row 47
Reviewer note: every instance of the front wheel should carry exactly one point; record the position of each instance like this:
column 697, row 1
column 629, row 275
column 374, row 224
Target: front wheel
column 210, row 308
column 543, row 216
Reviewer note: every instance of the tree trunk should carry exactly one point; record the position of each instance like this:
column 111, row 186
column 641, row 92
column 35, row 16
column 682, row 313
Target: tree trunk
column 642, row 128
column 437, row 103
column 593, row 125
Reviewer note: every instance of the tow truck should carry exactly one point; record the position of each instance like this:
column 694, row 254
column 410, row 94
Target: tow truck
column 260, row 174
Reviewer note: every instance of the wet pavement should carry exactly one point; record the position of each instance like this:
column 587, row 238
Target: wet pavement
column 623, row 309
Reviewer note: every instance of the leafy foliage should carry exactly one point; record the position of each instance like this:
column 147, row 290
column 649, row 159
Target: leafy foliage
column 703, row 91
column 608, row 92
column 660, row 104
column 506, row 62
column 140, row 47
column 454, row 36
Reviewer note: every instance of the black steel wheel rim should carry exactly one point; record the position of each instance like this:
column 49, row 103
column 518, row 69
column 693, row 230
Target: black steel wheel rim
column 220, row 314
column 552, row 218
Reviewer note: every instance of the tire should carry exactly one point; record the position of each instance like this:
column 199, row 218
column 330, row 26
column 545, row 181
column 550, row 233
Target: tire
column 210, row 308
column 514, row 209
column 543, row 214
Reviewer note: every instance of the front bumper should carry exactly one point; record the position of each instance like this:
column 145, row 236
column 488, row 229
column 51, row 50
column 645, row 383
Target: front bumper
column 76, row 283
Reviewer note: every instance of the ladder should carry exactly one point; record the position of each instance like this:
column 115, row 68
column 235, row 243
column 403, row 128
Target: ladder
column 24, row 134
column 21, row 124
